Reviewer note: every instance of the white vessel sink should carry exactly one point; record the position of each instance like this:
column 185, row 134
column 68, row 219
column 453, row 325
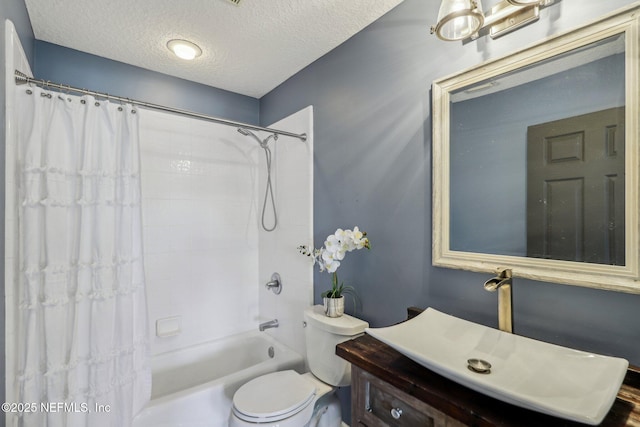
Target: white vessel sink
column 547, row 378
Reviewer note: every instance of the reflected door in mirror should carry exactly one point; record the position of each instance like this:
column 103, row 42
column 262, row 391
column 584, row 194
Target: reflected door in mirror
column 575, row 188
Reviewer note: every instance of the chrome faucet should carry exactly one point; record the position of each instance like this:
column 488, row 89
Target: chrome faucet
column 270, row 324
column 502, row 283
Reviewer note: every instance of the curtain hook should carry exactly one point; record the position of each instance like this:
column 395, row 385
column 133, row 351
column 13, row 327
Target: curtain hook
column 123, row 103
column 47, row 88
column 133, row 111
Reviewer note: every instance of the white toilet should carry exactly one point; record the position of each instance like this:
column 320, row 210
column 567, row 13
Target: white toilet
column 290, row 399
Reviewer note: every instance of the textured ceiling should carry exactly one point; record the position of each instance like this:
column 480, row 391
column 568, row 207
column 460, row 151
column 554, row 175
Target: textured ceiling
column 249, row 48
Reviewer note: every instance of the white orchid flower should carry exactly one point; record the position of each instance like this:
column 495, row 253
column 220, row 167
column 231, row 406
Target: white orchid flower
column 329, row 261
column 332, row 266
column 359, row 239
column 340, row 234
column 334, row 250
column 332, row 243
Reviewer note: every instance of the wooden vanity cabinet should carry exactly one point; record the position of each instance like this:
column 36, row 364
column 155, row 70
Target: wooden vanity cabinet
column 376, row 403
column 385, row 382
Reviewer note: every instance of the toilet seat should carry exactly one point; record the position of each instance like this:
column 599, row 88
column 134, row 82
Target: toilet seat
column 273, row 397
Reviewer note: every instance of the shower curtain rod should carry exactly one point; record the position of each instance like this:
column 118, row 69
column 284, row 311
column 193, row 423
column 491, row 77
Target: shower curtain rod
column 21, row 78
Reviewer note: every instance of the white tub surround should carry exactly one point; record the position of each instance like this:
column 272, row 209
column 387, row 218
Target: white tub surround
column 292, row 177
column 14, row 58
column 203, row 186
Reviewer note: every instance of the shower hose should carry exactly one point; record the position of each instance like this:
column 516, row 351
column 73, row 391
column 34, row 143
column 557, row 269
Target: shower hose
column 268, row 192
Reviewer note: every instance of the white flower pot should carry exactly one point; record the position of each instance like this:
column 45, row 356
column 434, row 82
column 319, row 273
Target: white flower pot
column 334, row 307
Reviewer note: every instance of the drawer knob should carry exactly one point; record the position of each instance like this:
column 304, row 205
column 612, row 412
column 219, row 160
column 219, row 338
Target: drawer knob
column 396, row 413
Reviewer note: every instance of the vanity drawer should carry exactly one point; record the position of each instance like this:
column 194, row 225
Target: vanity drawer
column 379, row 404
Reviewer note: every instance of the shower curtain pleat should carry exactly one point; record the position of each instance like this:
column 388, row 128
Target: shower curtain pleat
column 83, row 339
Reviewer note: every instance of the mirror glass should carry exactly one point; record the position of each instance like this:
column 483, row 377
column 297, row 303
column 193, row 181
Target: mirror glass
column 535, row 160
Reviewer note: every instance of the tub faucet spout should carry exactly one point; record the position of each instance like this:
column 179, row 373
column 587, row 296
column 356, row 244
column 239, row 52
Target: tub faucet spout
column 270, row 324
column 502, row 283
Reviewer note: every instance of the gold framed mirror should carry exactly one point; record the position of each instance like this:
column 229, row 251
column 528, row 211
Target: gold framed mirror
column 536, row 158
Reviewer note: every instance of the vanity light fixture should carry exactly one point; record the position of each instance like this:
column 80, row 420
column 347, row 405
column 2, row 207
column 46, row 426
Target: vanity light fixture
column 458, row 19
column 525, row 2
column 463, row 19
column 184, row 49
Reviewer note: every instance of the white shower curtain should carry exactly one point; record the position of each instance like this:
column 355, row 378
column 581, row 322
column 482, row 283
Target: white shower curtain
column 82, row 333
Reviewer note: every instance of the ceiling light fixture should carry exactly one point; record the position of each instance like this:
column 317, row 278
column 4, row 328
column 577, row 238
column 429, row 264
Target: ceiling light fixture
column 463, row 19
column 184, row 49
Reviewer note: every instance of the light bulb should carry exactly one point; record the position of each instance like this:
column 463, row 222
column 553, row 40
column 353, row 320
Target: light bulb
column 184, row 49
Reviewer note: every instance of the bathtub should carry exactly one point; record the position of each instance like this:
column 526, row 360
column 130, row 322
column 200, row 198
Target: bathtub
column 194, row 387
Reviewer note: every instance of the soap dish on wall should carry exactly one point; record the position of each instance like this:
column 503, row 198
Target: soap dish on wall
column 168, row 326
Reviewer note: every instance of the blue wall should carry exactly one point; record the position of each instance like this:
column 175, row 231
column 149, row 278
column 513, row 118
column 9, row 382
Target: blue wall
column 63, row 65
column 372, row 164
column 15, row 11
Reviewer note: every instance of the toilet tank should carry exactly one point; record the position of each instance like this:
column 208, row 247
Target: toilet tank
column 322, row 334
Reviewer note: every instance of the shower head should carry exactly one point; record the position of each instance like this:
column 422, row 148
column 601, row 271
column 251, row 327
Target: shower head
column 262, row 143
column 247, row 132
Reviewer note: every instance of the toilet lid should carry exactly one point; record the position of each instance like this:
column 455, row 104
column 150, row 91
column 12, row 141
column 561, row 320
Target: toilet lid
column 273, row 396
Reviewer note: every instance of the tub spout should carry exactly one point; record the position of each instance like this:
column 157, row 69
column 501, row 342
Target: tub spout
column 270, row 324
column 502, row 283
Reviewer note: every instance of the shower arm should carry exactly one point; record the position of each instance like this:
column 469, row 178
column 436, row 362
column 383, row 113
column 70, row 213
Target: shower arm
column 21, row 78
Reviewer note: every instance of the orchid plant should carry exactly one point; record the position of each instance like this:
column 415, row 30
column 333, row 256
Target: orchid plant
column 328, row 257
